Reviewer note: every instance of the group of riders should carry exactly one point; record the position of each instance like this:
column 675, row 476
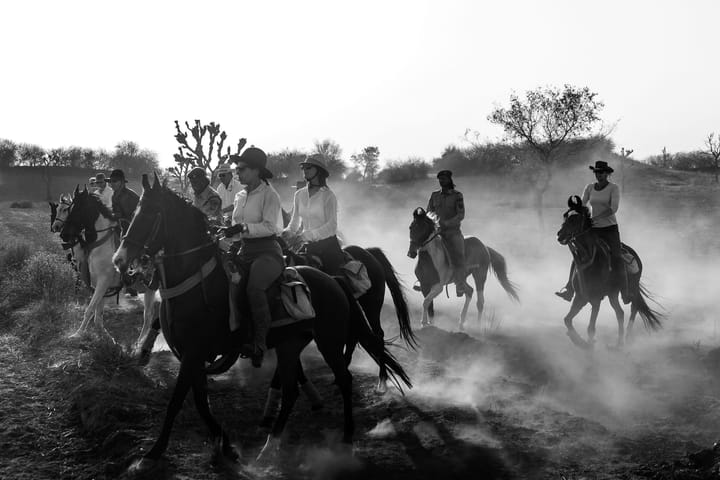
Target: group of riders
column 256, row 225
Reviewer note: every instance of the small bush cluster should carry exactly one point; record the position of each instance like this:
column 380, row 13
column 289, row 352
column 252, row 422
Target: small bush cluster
column 22, row 204
column 13, row 256
column 41, row 276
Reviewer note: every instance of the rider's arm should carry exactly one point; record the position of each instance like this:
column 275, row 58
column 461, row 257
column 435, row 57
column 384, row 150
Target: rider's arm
column 294, row 224
column 430, row 207
column 271, row 217
column 586, row 194
column 329, row 228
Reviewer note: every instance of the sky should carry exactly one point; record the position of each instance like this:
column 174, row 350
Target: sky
column 409, row 77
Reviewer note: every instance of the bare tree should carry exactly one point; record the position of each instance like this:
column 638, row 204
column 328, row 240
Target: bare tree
column 332, row 153
column 206, row 140
column 625, row 154
column 712, row 143
column 545, row 120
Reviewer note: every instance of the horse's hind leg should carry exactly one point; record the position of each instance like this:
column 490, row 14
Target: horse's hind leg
column 272, row 403
column 434, row 292
column 631, row 320
column 466, row 304
column 343, row 379
column 595, row 309
column 620, row 316
column 288, row 356
column 480, row 277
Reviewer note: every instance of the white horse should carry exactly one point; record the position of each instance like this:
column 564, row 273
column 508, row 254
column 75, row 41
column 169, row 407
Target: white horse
column 74, row 216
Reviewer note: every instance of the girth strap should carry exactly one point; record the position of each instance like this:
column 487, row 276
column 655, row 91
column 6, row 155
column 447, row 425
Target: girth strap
column 190, row 282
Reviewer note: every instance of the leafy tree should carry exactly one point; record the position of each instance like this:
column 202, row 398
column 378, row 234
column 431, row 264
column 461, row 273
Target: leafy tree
column 405, row 171
column 545, row 120
column 206, row 140
column 134, row 161
column 712, row 144
column 368, row 162
column 332, row 153
column 8, row 153
column 31, row 155
column 285, row 163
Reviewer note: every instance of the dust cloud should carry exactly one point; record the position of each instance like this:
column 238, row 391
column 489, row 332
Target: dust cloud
column 517, row 362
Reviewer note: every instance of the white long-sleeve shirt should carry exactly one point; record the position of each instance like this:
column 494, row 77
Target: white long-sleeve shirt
column 602, row 203
column 259, row 210
column 227, row 194
column 317, row 214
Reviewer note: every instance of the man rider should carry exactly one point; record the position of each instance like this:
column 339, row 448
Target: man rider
column 447, row 203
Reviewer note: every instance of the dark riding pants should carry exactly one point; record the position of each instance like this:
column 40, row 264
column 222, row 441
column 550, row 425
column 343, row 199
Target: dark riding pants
column 330, row 253
column 455, row 243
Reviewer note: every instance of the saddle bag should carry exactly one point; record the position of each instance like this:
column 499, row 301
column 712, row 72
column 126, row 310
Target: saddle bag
column 631, row 264
column 357, row 275
column 295, row 295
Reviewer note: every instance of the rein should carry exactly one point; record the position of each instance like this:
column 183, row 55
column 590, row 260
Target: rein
column 429, row 239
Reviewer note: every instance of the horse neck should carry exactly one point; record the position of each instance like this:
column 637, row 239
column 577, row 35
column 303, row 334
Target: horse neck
column 179, row 239
column 436, row 251
column 103, row 224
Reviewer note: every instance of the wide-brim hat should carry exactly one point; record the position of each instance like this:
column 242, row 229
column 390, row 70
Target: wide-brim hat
column 100, row 178
column 318, row 161
column 253, row 157
column 601, row 166
column 223, row 168
column 117, row 174
column 444, row 173
column 197, row 172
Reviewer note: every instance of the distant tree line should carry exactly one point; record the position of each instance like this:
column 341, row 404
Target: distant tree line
column 126, row 155
column 706, row 159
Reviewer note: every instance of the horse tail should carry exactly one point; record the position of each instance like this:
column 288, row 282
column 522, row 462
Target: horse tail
column 398, row 296
column 499, row 267
column 651, row 318
column 373, row 344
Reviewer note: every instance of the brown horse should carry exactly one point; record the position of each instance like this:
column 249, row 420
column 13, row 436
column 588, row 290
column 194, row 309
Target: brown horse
column 592, row 279
column 195, row 315
column 434, row 270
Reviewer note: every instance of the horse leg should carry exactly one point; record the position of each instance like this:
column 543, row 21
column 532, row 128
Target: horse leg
column 200, row 395
column 148, row 317
column 463, row 313
column 273, row 400
column 343, row 379
column 372, row 313
column 577, row 305
column 594, row 310
column 191, row 366
column 434, row 292
column 91, row 309
column 308, row 388
column 288, row 356
column 620, row 316
column 480, row 276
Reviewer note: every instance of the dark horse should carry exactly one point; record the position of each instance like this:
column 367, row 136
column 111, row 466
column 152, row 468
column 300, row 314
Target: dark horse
column 381, row 273
column 592, row 278
column 195, row 314
column 434, row 270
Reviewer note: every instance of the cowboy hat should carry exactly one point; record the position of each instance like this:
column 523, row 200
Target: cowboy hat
column 254, row 158
column 601, row 166
column 117, row 174
column 100, row 178
column 223, row 168
column 316, row 160
column 444, row 173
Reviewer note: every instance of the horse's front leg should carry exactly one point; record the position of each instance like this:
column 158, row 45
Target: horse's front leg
column 595, row 309
column 619, row 315
column 150, row 329
column 577, row 305
column 92, row 309
column 463, row 313
column 435, row 290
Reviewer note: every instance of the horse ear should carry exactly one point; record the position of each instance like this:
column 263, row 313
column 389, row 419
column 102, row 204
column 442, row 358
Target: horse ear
column 85, row 189
column 77, row 190
column 164, row 184
column 156, row 186
column 419, row 212
column 574, row 202
column 145, row 182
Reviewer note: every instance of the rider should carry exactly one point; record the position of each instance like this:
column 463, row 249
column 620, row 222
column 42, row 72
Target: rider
column 102, row 190
column 257, row 220
column 603, row 197
column 124, row 200
column 227, row 188
column 315, row 210
column 447, row 203
column 205, row 198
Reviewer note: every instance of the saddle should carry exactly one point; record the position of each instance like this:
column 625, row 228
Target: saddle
column 630, row 259
column 354, row 271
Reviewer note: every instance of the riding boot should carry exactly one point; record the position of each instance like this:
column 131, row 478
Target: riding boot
column 460, row 285
column 567, row 292
column 261, row 316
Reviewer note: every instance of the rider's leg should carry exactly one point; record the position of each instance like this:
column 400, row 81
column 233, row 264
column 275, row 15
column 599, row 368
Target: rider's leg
column 611, row 235
column 263, row 272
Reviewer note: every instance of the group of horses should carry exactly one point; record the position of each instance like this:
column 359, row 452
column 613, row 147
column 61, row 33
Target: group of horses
column 169, row 233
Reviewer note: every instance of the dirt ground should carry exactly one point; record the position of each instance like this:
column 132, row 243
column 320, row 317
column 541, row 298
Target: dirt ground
column 510, row 398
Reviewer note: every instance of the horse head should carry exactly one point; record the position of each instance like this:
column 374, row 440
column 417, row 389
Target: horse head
column 576, row 220
column 421, row 228
column 59, row 212
column 78, row 218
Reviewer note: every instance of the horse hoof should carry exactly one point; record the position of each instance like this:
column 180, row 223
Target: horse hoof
column 381, row 388
column 269, row 451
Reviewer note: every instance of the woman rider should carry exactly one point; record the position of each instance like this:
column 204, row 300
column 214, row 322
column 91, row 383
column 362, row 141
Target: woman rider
column 603, row 197
column 256, row 221
column 315, row 210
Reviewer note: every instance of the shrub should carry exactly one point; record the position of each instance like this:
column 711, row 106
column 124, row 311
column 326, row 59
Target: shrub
column 13, row 256
column 407, row 171
column 44, row 276
column 22, row 204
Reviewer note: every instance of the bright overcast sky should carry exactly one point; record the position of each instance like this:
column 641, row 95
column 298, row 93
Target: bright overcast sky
column 408, row 77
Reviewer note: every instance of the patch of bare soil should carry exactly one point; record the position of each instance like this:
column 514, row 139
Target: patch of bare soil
column 483, row 406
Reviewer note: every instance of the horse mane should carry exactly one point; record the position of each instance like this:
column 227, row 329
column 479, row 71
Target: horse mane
column 101, row 207
column 181, row 204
